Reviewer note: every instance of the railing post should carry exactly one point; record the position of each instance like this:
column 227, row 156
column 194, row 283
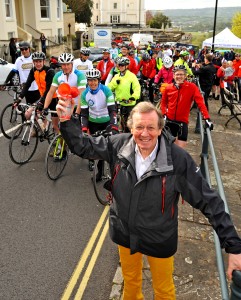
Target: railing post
column 236, row 286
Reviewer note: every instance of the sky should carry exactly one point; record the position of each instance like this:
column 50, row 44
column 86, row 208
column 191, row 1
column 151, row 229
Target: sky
column 178, row 4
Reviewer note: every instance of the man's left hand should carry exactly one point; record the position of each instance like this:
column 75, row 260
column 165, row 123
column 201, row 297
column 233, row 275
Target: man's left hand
column 234, row 263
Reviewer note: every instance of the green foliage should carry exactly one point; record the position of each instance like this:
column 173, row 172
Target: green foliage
column 236, row 24
column 199, row 37
column 82, row 10
column 159, row 21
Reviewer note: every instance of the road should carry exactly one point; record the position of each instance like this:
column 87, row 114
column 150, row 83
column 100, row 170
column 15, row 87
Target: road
column 46, row 231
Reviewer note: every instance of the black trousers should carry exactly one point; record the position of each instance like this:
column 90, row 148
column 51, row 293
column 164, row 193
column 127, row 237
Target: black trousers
column 207, row 91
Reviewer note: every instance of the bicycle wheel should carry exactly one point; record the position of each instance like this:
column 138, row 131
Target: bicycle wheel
column 23, row 143
column 56, row 158
column 99, row 182
column 10, row 120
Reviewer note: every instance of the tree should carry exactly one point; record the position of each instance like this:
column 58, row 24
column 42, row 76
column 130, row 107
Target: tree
column 149, row 17
column 236, row 27
column 159, row 21
column 82, row 10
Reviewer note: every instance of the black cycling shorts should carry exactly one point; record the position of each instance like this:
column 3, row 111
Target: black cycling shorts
column 177, row 129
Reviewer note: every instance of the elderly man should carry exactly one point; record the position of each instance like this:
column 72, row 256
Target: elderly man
column 149, row 172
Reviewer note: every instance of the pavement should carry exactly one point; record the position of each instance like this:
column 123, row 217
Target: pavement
column 196, row 275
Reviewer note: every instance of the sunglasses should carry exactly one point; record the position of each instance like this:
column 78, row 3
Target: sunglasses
column 23, row 49
column 121, row 65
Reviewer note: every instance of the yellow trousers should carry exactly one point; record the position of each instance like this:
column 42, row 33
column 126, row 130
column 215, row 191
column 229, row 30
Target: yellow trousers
column 161, row 271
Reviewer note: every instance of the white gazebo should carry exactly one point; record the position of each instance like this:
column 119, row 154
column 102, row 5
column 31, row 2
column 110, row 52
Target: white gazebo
column 224, row 39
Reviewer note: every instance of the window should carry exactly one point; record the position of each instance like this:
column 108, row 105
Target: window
column 45, row 9
column 11, row 35
column 60, row 37
column 8, row 8
column 115, row 19
column 115, row 5
column 96, row 6
column 59, row 9
column 97, row 18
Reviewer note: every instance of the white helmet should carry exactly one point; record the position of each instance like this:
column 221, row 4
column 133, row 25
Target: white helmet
column 92, row 74
column 167, row 62
column 85, row 51
column 66, row 58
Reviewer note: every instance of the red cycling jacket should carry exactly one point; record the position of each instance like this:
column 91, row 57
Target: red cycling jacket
column 176, row 101
column 165, row 74
column 104, row 68
column 148, row 68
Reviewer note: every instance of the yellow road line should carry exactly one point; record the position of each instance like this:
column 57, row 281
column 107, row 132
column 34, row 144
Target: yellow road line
column 72, row 282
column 92, row 262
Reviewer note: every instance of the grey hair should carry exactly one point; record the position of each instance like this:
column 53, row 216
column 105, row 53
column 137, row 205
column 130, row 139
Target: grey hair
column 145, row 107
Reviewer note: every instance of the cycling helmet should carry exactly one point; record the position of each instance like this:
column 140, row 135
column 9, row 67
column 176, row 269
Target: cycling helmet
column 123, row 61
column 184, row 53
column 167, row 62
column 24, row 45
column 125, row 46
column 92, row 74
column 85, row 51
column 146, row 56
column 65, row 58
column 38, row 56
column 105, row 50
column 179, row 68
column 132, row 52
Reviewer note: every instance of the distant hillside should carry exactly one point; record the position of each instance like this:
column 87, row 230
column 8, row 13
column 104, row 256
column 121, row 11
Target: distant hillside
column 201, row 19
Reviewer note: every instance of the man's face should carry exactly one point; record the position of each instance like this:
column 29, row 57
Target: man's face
column 83, row 57
column 106, row 55
column 145, row 131
column 237, row 57
column 179, row 76
column 25, row 51
column 67, row 68
column 124, row 51
column 38, row 64
column 93, row 83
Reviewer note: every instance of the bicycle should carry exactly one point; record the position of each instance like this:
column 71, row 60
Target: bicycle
column 56, row 157
column 101, row 182
column 123, row 114
column 24, row 141
column 144, row 83
column 12, row 114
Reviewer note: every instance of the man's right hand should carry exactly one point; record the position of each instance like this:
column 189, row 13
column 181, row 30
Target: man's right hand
column 44, row 113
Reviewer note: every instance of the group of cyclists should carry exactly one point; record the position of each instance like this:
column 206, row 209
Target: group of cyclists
column 113, row 88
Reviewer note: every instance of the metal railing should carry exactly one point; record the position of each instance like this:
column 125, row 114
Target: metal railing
column 207, row 146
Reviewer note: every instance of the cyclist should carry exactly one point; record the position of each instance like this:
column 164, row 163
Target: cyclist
column 176, row 103
column 22, row 67
column 126, row 87
column 125, row 53
column 165, row 75
column 83, row 63
column 98, row 109
column 68, row 75
column 43, row 76
column 237, row 73
column 105, row 65
column 114, row 51
column 183, row 60
column 113, row 71
column 147, row 68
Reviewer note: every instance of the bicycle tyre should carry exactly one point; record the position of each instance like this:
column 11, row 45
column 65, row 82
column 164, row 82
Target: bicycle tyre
column 23, row 143
column 100, row 192
column 54, row 167
column 9, row 119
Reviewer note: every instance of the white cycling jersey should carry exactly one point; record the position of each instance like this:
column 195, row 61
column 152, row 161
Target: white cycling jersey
column 75, row 78
column 23, row 65
column 83, row 66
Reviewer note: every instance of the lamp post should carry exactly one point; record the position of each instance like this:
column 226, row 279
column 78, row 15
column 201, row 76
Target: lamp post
column 139, row 15
column 214, row 24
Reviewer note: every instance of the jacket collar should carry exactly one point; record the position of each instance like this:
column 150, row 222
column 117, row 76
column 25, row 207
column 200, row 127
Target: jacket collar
column 163, row 161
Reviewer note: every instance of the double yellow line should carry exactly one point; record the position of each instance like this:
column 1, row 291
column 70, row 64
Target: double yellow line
column 76, row 274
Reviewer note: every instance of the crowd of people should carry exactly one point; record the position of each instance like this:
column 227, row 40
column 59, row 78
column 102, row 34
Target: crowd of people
column 150, row 169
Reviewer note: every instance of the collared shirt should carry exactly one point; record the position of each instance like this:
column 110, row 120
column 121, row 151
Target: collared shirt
column 142, row 164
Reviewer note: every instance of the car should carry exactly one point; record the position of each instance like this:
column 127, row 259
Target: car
column 95, row 55
column 5, row 68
